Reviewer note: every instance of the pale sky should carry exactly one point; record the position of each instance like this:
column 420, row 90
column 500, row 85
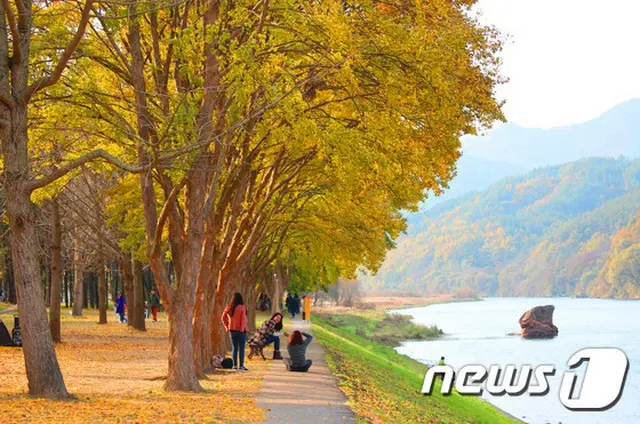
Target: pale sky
column 568, row 60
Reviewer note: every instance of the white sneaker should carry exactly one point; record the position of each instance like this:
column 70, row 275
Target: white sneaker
column 243, row 369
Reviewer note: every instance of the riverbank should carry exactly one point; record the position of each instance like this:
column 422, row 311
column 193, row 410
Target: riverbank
column 384, row 386
column 380, row 326
column 389, row 302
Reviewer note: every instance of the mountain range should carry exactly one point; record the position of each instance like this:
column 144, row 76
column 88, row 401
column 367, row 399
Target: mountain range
column 551, row 230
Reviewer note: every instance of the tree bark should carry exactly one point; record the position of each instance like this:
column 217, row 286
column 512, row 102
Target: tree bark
column 250, row 301
column 203, row 309
column 56, row 271
column 65, row 280
column 102, row 295
column 182, row 376
column 47, row 284
column 41, row 363
column 138, row 297
column 128, row 291
column 78, row 286
column 9, row 277
column 276, row 293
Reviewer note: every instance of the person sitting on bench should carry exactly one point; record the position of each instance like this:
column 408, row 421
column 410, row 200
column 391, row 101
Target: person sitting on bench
column 297, row 348
column 269, row 333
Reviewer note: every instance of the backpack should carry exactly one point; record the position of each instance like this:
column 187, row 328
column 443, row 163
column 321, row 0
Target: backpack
column 216, row 361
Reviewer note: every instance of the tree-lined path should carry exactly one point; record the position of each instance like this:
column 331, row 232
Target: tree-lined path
column 203, row 148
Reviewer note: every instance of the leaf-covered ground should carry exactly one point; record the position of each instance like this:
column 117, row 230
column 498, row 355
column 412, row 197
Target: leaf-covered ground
column 116, row 375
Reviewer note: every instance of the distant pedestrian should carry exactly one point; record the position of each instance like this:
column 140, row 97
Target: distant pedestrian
column 121, row 303
column 441, row 361
column 154, row 303
column 296, row 305
column 289, row 302
column 234, row 319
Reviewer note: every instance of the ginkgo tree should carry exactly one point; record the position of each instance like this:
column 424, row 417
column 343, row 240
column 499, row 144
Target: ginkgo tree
column 29, row 66
column 262, row 131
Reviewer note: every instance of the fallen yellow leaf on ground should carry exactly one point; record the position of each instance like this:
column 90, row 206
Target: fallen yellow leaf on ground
column 116, row 375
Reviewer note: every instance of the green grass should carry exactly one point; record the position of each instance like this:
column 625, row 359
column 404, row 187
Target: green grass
column 384, row 386
column 386, row 329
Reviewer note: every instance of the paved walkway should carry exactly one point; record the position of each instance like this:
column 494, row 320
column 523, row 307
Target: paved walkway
column 296, row 397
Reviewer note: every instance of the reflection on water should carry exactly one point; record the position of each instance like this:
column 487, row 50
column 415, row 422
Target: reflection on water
column 477, row 333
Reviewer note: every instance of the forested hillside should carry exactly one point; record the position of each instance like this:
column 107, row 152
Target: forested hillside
column 562, row 230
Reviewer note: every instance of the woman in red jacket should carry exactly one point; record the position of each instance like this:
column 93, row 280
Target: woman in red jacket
column 234, row 319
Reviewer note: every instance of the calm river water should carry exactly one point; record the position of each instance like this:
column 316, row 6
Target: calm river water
column 476, row 333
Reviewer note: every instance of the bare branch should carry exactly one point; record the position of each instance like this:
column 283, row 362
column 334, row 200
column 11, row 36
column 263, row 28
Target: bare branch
column 70, row 166
column 68, row 52
column 164, row 214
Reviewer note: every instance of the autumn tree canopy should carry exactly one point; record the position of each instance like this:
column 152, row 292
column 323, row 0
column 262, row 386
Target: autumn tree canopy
column 242, row 138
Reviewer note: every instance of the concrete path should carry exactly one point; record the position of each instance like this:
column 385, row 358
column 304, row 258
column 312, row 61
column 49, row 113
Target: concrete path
column 296, row 397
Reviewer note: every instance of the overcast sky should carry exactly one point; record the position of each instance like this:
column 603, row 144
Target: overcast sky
column 568, row 60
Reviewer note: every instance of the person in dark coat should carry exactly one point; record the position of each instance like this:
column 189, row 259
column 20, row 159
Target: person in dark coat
column 121, row 301
column 296, row 304
column 290, row 305
column 154, row 303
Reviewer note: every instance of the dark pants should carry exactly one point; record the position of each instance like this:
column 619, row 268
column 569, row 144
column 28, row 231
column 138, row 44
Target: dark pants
column 121, row 316
column 154, row 312
column 275, row 340
column 303, row 368
column 238, row 340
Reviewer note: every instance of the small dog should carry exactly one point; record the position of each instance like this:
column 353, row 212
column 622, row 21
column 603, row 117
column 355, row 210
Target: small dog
column 256, row 350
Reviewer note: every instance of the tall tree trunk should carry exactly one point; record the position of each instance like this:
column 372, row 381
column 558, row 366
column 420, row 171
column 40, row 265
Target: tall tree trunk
column 276, row 292
column 102, row 294
column 47, row 284
column 182, row 374
column 203, row 308
column 86, row 290
column 128, row 290
column 78, row 286
column 41, row 363
column 56, row 271
column 138, row 297
column 65, row 280
column 250, row 301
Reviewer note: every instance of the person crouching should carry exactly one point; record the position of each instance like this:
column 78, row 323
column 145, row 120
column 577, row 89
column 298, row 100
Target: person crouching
column 297, row 348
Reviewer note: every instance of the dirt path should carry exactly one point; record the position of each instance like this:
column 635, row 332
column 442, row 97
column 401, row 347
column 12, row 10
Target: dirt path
column 312, row 397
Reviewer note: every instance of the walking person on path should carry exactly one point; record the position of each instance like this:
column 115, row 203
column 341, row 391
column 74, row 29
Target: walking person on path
column 121, row 301
column 289, row 304
column 154, row 303
column 234, row 319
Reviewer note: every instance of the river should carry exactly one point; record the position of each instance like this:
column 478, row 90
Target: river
column 476, row 333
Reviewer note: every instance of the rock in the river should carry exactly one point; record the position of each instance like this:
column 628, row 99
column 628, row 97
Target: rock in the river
column 537, row 323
